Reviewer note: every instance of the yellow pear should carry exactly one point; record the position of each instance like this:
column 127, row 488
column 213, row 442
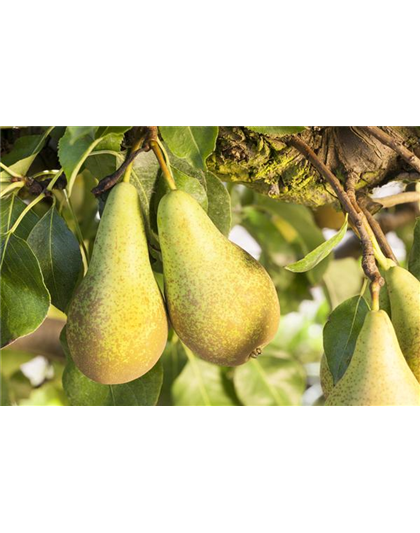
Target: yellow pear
column 117, row 326
column 404, row 295
column 377, row 374
column 222, row 303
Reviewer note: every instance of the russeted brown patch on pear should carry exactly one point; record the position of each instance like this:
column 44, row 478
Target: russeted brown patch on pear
column 404, row 295
column 117, row 325
column 378, row 373
column 221, row 301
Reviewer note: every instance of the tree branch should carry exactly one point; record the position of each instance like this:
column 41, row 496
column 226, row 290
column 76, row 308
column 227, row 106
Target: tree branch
column 109, row 181
column 377, row 230
column 395, row 144
column 357, row 218
column 397, row 199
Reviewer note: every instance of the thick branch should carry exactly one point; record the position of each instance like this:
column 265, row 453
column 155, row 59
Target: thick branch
column 395, row 144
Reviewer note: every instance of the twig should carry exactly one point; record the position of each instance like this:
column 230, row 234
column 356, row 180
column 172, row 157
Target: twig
column 377, row 230
column 397, row 199
column 137, row 144
column 358, row 220
column 395, row 144
column 145, row 137
column 109, row 181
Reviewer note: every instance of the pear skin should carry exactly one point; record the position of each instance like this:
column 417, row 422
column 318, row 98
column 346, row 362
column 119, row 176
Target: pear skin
column 327, row 382
column 117, row 326
column 378, row 373
column 404, row 295
column 222, row 303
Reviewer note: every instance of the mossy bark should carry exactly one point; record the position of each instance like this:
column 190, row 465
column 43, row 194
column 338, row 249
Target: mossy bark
column 269, row 166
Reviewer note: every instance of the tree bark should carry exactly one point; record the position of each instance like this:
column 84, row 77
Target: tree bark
column 269, row 166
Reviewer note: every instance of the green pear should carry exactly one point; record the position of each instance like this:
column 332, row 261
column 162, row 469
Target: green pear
column 222, row 303
column 377, row 374
column 117, row 326
column 404, row 295
column 327, row 382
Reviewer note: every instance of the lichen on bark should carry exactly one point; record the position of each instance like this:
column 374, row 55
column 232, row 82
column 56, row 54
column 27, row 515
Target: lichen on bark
column 269, row 166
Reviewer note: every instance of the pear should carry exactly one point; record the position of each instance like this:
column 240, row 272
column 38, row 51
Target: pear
column 117, row 326
column 377, row 374
column 222, row 303
column 404, row 295
column 327, row 382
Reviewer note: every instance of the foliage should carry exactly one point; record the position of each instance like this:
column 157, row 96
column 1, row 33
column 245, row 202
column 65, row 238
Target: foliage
column 42, row 264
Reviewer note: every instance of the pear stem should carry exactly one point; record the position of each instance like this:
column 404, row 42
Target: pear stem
column 374, row 290
column 25, row 211
column 10, row 171
column 154, row 145
column 11, row 187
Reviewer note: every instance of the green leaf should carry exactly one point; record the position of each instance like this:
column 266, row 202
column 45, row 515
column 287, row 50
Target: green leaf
column 219, row 205
column 414, row 258
column 297, row 225
column 341, row 332
column 173, row 360
column 102, row 165
column 85, row 206
column 81, row 390
column 104, row 131
column 270, row 381
column 10, row 210
column 24, row 297
column 193, row 143
column 144, row 176
column 58, row 253
column 73, row 153
column 190, row 185
column 343, row 279
column 201, row 383
column 24, row 153
column 321, row 252
column 276, row 131
column 76, row 132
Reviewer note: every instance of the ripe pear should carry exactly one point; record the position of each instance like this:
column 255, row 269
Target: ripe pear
column 222, row 303
column 117, row 326
column 377, row 374
column 327, row 382
column 404, row 295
